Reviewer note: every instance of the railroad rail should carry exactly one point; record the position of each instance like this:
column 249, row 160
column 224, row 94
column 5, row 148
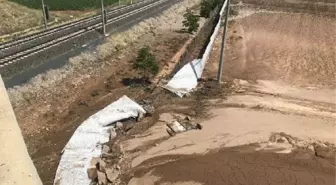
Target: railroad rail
column 15, row 50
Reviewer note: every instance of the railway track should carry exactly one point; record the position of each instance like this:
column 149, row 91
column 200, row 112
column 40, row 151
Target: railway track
column 16, row 50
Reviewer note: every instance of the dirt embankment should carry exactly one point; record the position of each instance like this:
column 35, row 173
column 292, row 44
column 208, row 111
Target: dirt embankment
column 279, row 76
column 15, row 17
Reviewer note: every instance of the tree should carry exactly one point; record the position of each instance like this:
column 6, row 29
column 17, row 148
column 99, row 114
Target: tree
column 146, row 63
column 207, row 6
column 190, row 21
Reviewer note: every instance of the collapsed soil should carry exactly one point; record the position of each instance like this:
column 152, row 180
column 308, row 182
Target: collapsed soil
column 285, row 53
column 294, row 48
column 237, row 165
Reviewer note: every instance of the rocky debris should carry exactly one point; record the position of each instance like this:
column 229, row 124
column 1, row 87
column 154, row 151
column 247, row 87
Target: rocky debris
column 113, row 133
column 182, row 125
column 83, row 103
column 94, row 93
column 119, row 125
column 112, row 174
column 140, row 116
column 103, row 173
column 92, row 173
column 239, row 86
column 148, row 107
column 106, row 149
column 95, row 161
column 102, row 179
column 278, row 138
column 102, row 165
column 324, row 151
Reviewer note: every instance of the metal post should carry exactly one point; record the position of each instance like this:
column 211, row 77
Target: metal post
column 221, row 58
column 44, row 16
column 103, row 16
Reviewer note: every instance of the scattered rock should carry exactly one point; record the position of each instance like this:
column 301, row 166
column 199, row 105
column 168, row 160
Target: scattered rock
column 128, row 127
column 83, row 103
column 102, row 166
column 278, row 138
column 240, row 91
column 188, row 118
column 140, row 116
column 149, row 109
column 325, row 152
column 105, row 149
column 92, row 173
column 311, row 147
column 199, row 126
column 118, row 125
column 102, row 180
column 117, row 167
column 94, row 93
column 95, row 161
column 112, row 174
column 113, row 134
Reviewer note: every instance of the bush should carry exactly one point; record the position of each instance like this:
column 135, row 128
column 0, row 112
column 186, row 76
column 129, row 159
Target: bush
column 190, row 21
column 146, row 63
column 207, row 6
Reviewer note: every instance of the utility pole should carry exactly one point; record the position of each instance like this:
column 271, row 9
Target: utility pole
column 44, row 15
column 103, row 16
column 221, row 58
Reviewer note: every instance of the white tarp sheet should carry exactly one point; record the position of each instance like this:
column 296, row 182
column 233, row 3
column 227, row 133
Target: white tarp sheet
column 87, row 140
column 185, row 80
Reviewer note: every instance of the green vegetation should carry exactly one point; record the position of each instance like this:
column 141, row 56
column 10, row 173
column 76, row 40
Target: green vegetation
column 65, row 4
column 146, row 63
column 190, row 21
column 207, row 6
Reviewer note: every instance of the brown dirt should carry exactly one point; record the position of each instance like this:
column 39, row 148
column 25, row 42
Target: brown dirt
column 287, row 59
column 238, row 165
column 297, row 49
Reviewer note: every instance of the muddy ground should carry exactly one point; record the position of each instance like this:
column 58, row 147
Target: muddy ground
column 279, row 76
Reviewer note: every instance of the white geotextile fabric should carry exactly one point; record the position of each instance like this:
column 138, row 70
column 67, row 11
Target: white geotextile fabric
column 185, row 80
column 87, row 140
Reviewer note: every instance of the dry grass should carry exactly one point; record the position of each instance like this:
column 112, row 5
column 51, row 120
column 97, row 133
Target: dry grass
column 15, row 17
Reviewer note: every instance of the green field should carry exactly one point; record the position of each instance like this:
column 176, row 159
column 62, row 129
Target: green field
column 65, row 4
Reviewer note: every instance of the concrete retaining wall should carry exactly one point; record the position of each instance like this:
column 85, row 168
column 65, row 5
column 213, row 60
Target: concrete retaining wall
column 16, row 167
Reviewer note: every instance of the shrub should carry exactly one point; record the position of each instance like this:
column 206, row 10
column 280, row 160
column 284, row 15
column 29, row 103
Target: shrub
column 190, row 21
column 207, row 6
column 146, row 63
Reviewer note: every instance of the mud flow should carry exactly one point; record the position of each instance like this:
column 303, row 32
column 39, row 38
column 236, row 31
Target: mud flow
column 239, row 165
